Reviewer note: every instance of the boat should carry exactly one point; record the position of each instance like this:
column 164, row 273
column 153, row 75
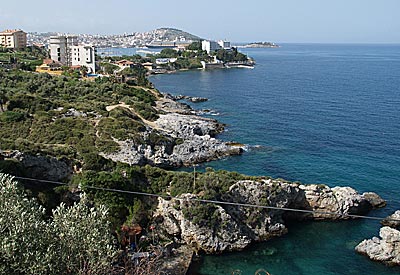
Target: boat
column 161, row 45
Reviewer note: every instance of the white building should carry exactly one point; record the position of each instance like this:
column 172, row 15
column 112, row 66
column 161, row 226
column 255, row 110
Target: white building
column 209, row 46
column 224, row 44
column 84, row 55
column 69, row 52
column 14, row 39
column 60, row 48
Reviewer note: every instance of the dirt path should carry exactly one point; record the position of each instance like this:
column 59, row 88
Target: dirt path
column 149, row 123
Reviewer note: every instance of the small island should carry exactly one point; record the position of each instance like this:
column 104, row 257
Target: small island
column 262, row 45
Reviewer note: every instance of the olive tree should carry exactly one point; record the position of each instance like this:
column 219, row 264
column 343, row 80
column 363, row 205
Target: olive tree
column 84, row 245
column 24, row 234
column 76, row 240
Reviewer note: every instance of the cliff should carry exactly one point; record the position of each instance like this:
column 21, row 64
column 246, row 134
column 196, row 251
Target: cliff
column 229, row 227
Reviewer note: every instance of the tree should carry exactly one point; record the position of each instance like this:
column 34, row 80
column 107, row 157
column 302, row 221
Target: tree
column 108, row 68
column 84, row 244
column 84, row 71
column 168, row 53
column 24, row 234
column 76, row 241
column 195, row 46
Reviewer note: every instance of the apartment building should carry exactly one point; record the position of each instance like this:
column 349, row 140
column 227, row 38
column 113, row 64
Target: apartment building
column 211, row 46
column 13, row 39
column 69, row 52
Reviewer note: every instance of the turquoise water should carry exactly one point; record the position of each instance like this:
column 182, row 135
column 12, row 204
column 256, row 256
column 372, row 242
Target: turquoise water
column 316, row 114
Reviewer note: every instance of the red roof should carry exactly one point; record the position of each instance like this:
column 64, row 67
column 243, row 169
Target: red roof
column 125, row 62
column 49, row 61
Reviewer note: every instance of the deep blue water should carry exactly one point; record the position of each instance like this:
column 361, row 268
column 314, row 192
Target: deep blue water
column 316, row 114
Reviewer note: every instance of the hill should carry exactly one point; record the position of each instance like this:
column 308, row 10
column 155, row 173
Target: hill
column 171, row 34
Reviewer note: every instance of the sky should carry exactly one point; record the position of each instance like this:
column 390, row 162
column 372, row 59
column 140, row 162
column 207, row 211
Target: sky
column 291, row 21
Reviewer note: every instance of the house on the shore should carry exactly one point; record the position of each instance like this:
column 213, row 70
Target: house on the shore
column 125, row 64
column 148, row 66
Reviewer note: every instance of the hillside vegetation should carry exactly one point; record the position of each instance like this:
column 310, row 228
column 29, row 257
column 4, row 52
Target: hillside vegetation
column 67, row 118
column 64, row 116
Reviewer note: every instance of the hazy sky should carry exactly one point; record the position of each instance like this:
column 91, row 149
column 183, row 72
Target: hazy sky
column 360, row 21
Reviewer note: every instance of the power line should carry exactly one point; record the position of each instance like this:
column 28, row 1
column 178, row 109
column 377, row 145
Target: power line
column 219, row 202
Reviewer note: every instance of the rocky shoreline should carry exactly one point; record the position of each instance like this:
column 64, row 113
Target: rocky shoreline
column 236, row 227
column 188, row 139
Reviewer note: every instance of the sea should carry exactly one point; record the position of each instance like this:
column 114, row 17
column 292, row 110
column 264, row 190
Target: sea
column 313, row 113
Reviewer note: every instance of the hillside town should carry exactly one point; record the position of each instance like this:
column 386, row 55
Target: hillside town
column 126, row 40
column 172, row 50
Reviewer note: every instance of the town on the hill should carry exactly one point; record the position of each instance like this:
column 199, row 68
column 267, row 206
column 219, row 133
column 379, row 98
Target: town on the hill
column 167, row 50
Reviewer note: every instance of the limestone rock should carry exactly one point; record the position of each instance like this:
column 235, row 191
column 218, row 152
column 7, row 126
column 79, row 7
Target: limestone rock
column 386, row 249
column 393, row 220
column 342, row 200
column 41, row 167
column 227, row 237
column 374, row 199
column 216, row 228
column 187, row 139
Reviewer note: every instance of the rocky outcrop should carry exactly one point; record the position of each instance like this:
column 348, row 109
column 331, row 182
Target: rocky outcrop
column 385, row 249
column 375, row 200
column 393, row 220
column 40, row 167
column 342, row 201
column 193, row 99
column 215, row 228
column 187, row 139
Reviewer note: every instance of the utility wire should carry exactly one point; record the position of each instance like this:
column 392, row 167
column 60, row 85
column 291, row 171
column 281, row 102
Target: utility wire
column 219, row 202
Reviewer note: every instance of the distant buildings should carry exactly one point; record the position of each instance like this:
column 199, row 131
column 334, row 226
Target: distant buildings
column 13, row 39
column 65, row 49
column 211, row 46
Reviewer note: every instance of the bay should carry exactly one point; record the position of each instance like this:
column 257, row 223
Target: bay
column 313, row 113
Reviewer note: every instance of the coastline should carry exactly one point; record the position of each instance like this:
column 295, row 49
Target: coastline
column 359, row 229
column 362, row 188
column 189, row 138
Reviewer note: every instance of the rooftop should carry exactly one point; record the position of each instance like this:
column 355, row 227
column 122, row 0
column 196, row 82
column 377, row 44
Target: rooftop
column 125, row 62
column 10, row 31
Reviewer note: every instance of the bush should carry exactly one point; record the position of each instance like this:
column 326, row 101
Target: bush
column 10, row 116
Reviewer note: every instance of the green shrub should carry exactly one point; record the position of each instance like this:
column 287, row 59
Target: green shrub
column 10, row 116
